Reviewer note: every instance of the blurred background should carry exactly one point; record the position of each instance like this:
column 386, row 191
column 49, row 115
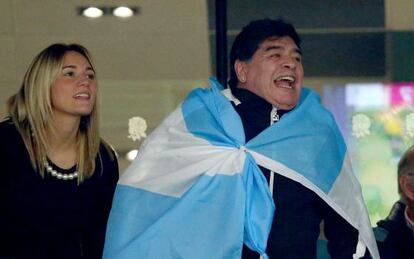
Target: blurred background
column 358, row 54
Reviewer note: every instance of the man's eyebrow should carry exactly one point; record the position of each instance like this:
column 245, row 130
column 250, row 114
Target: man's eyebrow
column 273, row 47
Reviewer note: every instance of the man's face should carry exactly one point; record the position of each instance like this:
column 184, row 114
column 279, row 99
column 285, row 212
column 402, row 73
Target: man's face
column 274, row 72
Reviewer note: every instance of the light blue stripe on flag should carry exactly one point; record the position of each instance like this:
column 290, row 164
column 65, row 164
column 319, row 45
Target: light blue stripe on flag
column 195, row 190
column 209, row 115
column 201, row 224
column 307, row 141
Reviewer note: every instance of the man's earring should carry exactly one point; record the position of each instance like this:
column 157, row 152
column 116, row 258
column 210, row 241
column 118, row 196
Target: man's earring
column 242, row 79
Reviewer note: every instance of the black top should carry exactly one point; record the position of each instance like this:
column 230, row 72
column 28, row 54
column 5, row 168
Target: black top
column 299, row 211
column 48, row 217
column 394, row 238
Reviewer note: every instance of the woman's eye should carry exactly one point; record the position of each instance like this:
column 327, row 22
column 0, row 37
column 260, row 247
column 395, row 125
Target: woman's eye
column 90, row 76
column 69, row 73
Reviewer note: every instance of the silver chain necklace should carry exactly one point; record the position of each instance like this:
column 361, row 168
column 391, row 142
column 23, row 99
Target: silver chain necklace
column 59, row 175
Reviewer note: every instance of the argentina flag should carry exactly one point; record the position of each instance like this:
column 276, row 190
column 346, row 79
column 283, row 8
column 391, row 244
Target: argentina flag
column 195, row 189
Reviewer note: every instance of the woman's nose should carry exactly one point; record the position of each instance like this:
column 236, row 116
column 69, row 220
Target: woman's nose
column 84, row 80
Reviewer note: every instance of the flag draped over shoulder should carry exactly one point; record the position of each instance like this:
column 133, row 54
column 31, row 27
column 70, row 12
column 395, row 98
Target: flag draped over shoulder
column 195, row 189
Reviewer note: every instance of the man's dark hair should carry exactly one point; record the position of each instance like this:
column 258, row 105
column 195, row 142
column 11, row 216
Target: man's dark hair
column 250, row 38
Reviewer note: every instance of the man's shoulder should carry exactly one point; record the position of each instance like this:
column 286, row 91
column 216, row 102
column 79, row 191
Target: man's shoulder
column 394, row 226
column 381, row 234
column 394, row 243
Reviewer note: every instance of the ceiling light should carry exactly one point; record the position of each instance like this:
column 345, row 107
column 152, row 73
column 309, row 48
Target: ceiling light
column 131, row 155
column 123, row 12
column 92, row 12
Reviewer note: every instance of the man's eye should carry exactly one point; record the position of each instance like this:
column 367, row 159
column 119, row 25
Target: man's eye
column 275, row 55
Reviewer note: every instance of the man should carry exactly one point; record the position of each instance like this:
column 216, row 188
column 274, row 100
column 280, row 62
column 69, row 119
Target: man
column 195, row 189
column 395, row 234
column 266, row 77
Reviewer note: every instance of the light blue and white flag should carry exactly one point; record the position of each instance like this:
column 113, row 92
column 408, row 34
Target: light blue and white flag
column 195, row 189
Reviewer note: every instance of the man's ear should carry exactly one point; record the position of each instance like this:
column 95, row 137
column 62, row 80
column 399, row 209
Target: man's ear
column 406, row 187
column 240, row 67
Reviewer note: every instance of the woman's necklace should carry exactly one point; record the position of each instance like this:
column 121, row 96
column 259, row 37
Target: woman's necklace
column 59, row 175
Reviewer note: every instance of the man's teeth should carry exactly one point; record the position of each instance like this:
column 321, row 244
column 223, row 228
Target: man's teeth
column 289, row 79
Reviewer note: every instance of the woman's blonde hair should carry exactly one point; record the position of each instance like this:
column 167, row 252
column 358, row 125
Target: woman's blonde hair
column 31, row 111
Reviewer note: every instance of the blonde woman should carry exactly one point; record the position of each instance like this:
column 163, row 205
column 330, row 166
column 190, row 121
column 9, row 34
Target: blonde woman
column 58, row 175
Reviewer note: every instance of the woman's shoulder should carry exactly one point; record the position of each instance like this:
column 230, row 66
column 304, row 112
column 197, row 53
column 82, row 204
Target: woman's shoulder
column 107, row 151
column 109, row 160
column 7, row 128
column 10, row 138
column 6, row 122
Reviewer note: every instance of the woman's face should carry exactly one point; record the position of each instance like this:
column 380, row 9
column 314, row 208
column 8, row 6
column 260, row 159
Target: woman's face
column 73, row 93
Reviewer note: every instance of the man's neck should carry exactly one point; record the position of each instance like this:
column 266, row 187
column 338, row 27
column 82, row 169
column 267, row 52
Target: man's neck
column 409, row 217
column 243, row 95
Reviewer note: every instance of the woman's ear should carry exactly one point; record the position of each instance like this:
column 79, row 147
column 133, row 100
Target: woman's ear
column 406, row 187
column 240, row 67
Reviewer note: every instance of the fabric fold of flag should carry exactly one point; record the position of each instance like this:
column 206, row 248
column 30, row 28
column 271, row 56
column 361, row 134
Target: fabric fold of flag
column 195, row 189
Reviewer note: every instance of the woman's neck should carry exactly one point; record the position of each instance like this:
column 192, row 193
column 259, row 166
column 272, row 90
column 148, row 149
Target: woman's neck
column 62, row 142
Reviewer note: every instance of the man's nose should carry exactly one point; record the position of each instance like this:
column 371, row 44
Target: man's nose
column 289, row 62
